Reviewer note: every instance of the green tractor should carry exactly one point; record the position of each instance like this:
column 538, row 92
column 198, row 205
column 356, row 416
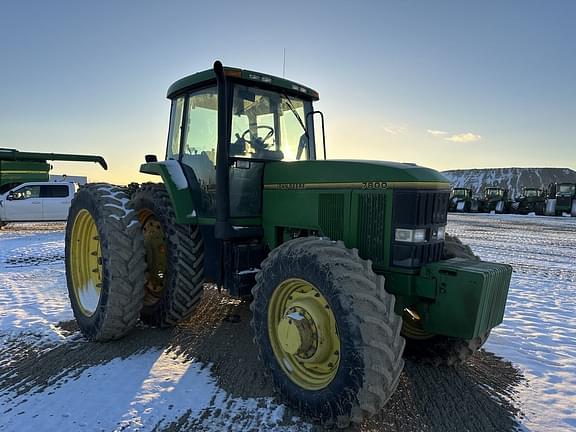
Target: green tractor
column 531, row 200
column 495, row 199
column 561, row 199
column 345, row 261
column 17, row 167
column 462, row 201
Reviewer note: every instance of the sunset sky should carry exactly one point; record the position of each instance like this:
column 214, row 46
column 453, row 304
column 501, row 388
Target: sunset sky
column 445, row 84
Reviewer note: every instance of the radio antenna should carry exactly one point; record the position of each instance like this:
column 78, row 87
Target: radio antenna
column 284, row 65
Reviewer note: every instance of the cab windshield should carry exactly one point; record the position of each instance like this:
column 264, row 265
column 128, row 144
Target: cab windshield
column 494, row 192
column 460, row 193
column 267, row 125
column 531, row 193
column 566, row 189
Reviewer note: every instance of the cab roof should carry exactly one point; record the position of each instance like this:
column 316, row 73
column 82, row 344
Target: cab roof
column 207, row 76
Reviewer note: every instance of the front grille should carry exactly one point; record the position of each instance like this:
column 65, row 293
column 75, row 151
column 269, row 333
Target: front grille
column 331, row 215
column 371, row 217
column 427, row 209
column 419, row 208
column 564, row 201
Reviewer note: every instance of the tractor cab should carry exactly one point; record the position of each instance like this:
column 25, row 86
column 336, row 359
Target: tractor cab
column 462, row 193
column 494, row 193
column 566, row 189
column 245, row 120
column 531, row 192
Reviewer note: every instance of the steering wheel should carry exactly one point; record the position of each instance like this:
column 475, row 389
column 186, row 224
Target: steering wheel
column 262, row 140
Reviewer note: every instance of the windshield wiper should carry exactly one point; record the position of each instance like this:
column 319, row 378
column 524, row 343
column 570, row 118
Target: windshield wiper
column 289, row 102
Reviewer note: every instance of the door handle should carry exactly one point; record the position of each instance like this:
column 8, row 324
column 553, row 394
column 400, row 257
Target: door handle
column 36, row 202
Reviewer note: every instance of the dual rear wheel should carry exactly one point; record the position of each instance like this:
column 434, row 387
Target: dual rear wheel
column 127, row 259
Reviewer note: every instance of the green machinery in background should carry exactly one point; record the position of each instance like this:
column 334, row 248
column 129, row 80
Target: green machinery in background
column 462, row 201
column 346, row 261
column 531, row 200
column 561, row 199
column 17, row 167
column 494, row 199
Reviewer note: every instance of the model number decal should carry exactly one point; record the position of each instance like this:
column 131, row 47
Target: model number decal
column 374, row 185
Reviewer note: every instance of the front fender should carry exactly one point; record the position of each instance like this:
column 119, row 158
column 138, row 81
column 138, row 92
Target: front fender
column 177, row 188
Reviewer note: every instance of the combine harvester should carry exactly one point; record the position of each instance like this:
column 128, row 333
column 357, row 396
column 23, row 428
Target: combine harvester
column 561, row 199
column 18, row 167
column 28, row 193
column 346, row 261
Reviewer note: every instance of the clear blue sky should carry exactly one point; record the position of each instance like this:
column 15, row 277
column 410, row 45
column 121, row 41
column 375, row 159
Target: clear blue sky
column 447, row 84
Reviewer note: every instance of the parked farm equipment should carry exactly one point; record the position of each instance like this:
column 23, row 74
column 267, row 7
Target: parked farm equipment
column 531, row 200
column 461, row 200
column 346, row 261
column 495, row 199
column 561, row 199
column 17, row 167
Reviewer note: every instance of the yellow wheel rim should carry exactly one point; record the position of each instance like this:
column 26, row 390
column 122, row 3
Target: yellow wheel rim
column 155, row 245
column 412, row 326
column 86, row 262
column 303, row 334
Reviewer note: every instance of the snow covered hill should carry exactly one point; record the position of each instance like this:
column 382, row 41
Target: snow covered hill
column 511, row 178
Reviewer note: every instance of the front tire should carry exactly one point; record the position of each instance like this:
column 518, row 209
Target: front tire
column 326, row 330
column 105, row 264
column 174, row 254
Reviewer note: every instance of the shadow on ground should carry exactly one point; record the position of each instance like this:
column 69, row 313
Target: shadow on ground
column 478, row 396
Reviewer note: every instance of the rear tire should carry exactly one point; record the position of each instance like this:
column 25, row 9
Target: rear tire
column 434, row 349
column 105, row 263
column 368, row 331
column 174, row 253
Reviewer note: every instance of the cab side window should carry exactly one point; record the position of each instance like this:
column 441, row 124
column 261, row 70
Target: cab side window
column 199, row 145
column 174, row 133
column 26, row 192
column 54, row 191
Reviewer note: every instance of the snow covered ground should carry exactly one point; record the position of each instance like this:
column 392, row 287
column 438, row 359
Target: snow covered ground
column 539, row 330
column 51, row 379
column 143, row 391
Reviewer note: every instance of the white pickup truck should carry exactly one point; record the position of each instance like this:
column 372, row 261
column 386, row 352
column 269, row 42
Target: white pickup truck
column 37, row 201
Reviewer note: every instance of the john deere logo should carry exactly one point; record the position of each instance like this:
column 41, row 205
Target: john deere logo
column 291, row 185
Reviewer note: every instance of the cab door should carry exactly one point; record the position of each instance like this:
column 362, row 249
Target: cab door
column 24, row 204
column 55, row 201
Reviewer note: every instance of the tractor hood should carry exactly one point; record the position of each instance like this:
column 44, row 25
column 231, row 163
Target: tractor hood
column 353, row 174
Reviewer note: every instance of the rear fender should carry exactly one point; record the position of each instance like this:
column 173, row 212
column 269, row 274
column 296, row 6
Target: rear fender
column 177, row 187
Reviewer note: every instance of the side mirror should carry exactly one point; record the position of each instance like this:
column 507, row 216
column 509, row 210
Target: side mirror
column 10, row 196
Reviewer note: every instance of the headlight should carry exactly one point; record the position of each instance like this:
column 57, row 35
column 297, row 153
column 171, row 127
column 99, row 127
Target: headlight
column 410, row 235
column 441, row 233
